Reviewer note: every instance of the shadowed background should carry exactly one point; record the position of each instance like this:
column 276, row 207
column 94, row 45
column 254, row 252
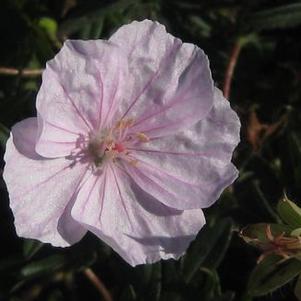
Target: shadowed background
column 254, row 49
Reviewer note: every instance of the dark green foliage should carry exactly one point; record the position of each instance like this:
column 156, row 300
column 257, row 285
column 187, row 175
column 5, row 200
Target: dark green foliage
column 219, row 265
column 271, row 274
column 279, row 17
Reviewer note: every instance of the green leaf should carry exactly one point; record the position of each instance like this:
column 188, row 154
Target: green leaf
column 10, row 264
column 294, row 145
column 154, row 289
column 289, row 212
column 31, row 247
column 272, row 273
column 41, row 43
column 96, row 28
column 211, row 283
column 49, row 25
column 219, row 250
column 296, row 232
column 43, row 266
column 147, row 281
column 4, row 134
column 228, row 296
column 200, row 25
column 208, row 249
column 256, row 234
column 265, row 203
column 285, row 16
column 297, row 289
column 128, row 294
column 90, row 24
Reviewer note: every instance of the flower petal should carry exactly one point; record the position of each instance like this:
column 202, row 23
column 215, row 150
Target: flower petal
column 133, row 223
column 169, row 86
column 80, row 91
column 192, row 168
column 40, row 189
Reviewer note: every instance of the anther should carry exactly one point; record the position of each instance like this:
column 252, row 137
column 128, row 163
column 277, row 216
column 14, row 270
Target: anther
column 142, row 137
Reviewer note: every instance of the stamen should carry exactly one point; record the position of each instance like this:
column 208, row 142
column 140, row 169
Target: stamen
column 142, row 137
column 133, row 162
column 125, row 123
column 111, row 144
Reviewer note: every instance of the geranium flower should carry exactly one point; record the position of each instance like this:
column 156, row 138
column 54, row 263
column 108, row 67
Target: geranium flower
column 131, row 141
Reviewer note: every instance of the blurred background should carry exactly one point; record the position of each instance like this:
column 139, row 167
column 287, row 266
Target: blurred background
column 254, row 49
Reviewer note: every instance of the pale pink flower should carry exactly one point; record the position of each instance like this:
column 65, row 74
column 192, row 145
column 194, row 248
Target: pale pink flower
column 131, row 141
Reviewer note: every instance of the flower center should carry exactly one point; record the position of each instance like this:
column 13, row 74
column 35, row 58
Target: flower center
column 111, row 144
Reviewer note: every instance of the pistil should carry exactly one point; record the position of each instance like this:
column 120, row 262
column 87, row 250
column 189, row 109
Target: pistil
column 111, row 144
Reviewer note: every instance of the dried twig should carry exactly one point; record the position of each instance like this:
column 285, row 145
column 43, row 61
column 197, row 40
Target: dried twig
column 98, row 284
column 258, row 132
column 230, row 68
column 24, row 72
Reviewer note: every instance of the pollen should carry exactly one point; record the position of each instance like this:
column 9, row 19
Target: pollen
column 142, row 137
column 124, row 123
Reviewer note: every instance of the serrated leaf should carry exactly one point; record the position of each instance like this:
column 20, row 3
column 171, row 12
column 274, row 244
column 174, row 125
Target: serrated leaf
column 285, row 16
column 272, row 273
column 289, row 212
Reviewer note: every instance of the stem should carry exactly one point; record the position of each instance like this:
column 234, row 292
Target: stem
column 96, row 281
column 23, row 72
column 231, row 67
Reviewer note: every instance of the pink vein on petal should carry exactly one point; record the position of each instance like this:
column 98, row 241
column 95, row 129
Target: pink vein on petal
column 111, row 100
column 58, row 142
column 90, row 192
column 77, row 188
column 174, row 48
column 135, row 44
column 161, row 171
column 59, row 127
column 43, row 182
column 103, row 194
column 148, row 179
column 169, row 153
column 178, row 99
column 73, row 104
column 164, row 126
column 101, row 100
column 121, row 198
